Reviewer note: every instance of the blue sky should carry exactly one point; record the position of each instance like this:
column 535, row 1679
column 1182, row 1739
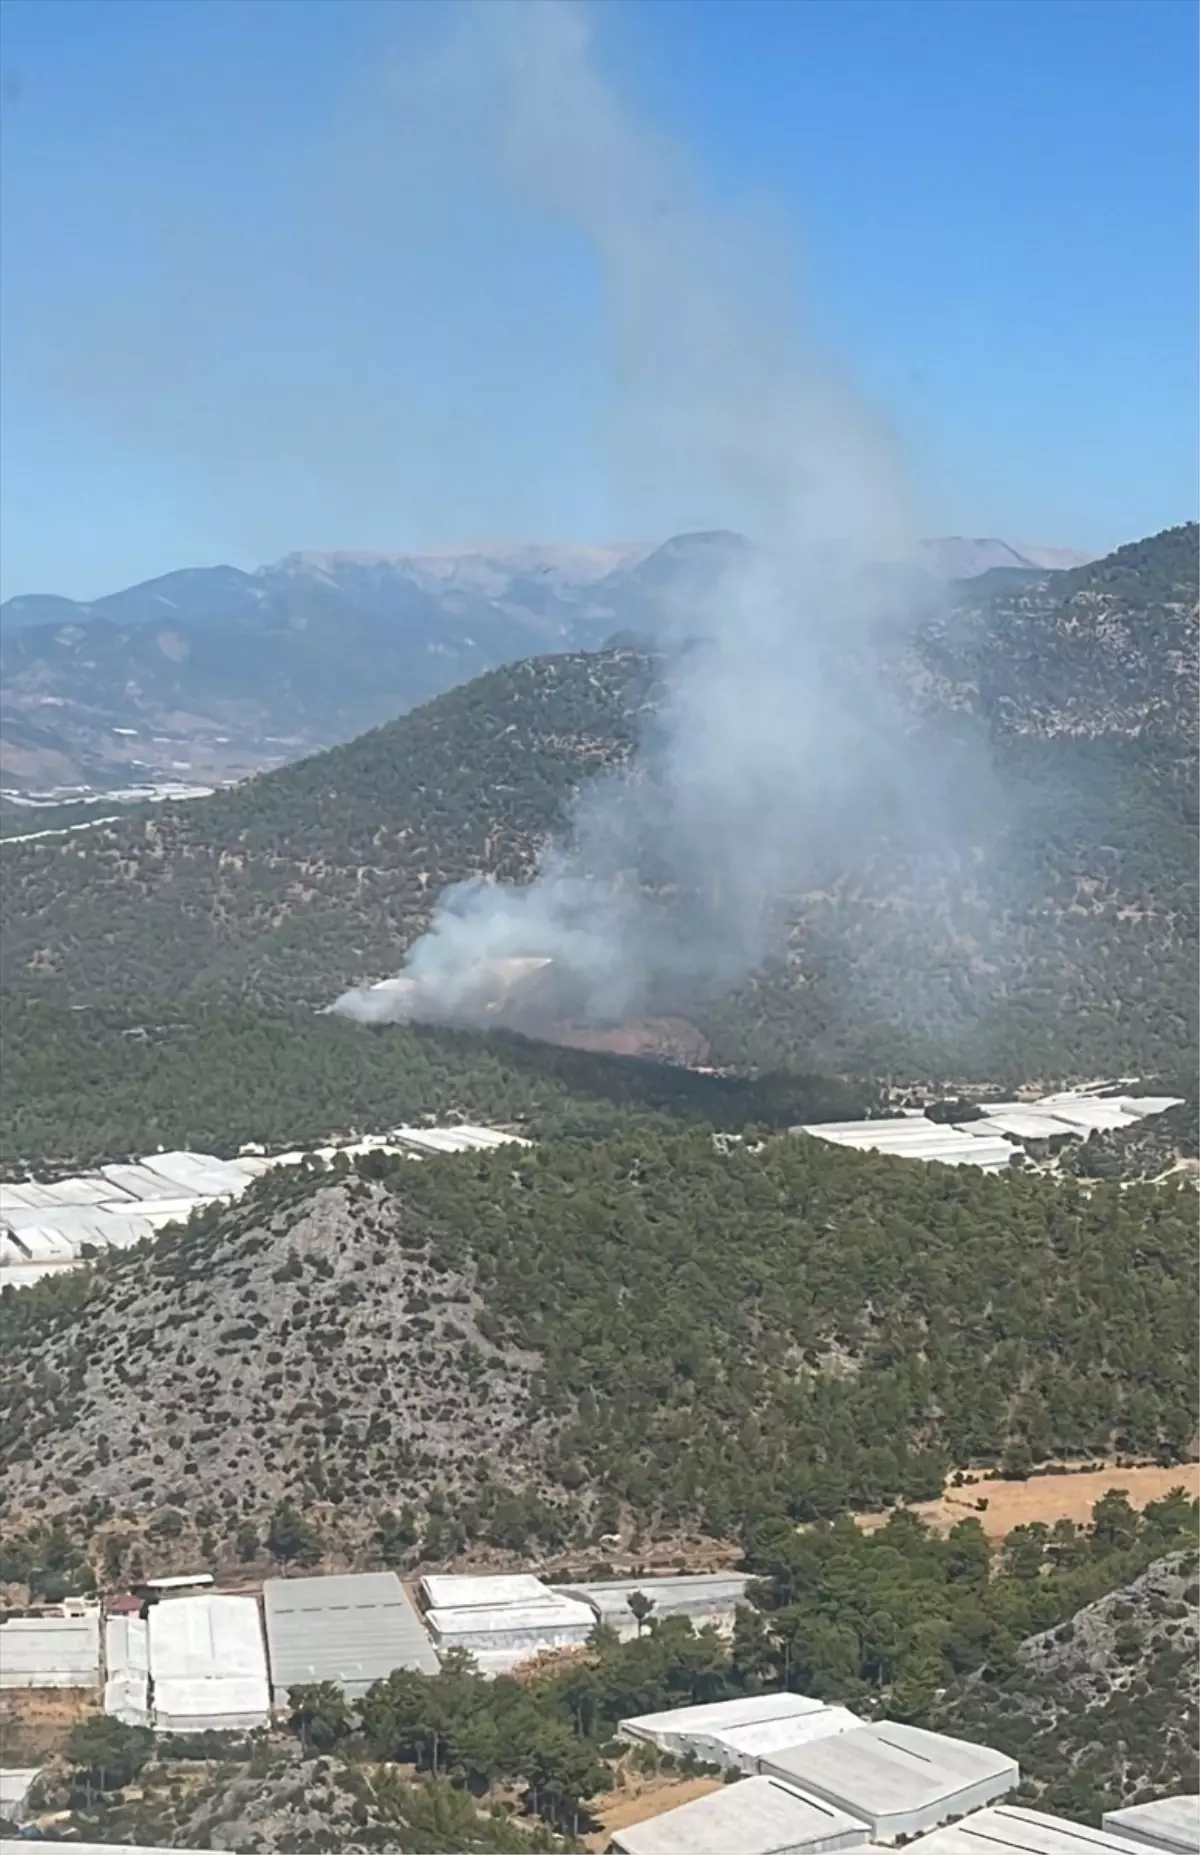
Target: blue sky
column 263, row 291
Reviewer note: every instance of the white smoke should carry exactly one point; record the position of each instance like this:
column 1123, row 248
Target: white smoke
column 775, row 741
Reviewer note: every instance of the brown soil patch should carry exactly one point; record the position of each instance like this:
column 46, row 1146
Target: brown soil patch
column 664, row 1040
column 34, row 1722
column 638, row 1798
column 1045, row 1497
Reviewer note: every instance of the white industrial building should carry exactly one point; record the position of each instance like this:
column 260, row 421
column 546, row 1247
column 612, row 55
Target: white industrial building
column 16, row 1782
column 352, row 1630
column 1008, row 1830
column 127, row 1670
column 49, row 1226
column 749, row 1749
column 1071, row 1114
column 50, row 1652
column 461, row 1139
column 899, row 1780
column 1169, row 1823
column 758, row 1817
column 739, row 1734
column 208, row 1666
column 502, row 1621
column 707, row 1598
column 912, row 1136
column 46, row 1226
column 472, row 1591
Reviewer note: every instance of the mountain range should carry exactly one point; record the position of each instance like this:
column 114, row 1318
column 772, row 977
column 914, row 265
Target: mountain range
column 214, row 672
column 1063, row 942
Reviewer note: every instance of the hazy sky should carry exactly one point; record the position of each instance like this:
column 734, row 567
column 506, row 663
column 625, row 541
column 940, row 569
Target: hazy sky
column 259, row 293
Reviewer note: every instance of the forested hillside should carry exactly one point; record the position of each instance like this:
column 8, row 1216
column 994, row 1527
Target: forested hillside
column 292, row 884
column 532, row 1349
column 81, row 1087
column 1056, row 935
column 1104, row 1710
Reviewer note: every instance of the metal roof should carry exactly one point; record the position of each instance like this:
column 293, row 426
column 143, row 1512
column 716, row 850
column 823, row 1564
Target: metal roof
column 353, row 1629
column 16, row 1782
column 554, row 1615
column 1024, row 1832
column 455, row 1139
column 889, row 1770
column 721, row 1715
column 1171, row 1823
column 127, row 1659
column 85, row 1189
column 915, row 1137
column 208, row 1663
column 1091, row 1115
column 453, row 1592
column 1022, row 1123
column 759, row 1816
column 55, row 1652
column 769, row 1736
column 718, row 1589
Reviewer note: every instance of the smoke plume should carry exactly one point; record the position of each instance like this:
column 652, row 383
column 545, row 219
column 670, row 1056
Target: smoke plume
column 777, row 744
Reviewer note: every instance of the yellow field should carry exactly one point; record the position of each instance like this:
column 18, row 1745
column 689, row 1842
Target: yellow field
column 1045, row 1497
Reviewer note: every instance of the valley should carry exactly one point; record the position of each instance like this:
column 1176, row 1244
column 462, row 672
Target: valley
column 670, row 1334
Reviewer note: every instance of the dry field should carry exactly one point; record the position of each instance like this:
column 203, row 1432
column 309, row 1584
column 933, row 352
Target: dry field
column 1045, row 1497
column 34, row 1722
column 638, row 1797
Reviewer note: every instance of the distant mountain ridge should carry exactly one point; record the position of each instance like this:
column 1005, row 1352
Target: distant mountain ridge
column 956, row 557
column 1071, row 949
column 488, row 568
column 216, row 672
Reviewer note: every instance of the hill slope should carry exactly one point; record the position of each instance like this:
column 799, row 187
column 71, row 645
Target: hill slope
column 231, row 671
column 1066, row 943
column 643, row 1325
column 294, row 883
column 1105, row 1710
